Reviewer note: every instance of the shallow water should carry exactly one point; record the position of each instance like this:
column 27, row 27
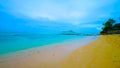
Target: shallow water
column 12, row 43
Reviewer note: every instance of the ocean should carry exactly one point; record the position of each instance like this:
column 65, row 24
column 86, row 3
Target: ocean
column 12, row 43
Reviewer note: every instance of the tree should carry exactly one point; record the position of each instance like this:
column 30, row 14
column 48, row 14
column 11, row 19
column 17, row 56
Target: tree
column 109, row 23
column 111, row 28
column 108, row 26
column 116, row 26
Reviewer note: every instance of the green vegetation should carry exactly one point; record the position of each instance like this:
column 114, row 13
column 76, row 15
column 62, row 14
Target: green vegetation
column 111, row 27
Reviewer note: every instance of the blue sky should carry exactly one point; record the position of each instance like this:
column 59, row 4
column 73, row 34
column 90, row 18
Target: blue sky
column 54, row 16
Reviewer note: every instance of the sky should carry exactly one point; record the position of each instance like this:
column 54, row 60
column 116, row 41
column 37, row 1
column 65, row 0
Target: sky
column 55, row 16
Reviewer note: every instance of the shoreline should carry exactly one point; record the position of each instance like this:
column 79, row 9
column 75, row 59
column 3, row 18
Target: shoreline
column 51, row 54
column 101, row 53
column 76, row 40
column 41, row 45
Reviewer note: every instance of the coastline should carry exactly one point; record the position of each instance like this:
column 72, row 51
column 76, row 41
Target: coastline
column 101, row 53
column 50, row 56
column 19, row 43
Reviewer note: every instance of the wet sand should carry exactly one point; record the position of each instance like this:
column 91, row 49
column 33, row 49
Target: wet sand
column 52, row 56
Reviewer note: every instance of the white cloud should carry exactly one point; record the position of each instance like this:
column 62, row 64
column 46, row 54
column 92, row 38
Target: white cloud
column 72, row 11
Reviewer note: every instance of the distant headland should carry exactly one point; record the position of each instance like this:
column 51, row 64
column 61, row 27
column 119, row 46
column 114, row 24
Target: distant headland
column 71, row 32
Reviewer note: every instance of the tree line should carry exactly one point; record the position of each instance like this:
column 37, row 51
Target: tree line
column 111, row 27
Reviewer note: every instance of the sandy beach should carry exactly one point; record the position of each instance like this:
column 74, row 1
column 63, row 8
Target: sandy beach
column 101, row 53
column 52, row 56
column 59, row 33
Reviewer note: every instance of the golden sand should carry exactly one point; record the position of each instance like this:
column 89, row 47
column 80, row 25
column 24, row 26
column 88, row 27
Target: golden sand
column 101, row 53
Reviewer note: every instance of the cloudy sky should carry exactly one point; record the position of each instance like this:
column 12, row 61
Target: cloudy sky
column 54, row 16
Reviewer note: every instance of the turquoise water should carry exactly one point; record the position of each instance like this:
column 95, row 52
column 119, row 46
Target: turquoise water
column 12, row 43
